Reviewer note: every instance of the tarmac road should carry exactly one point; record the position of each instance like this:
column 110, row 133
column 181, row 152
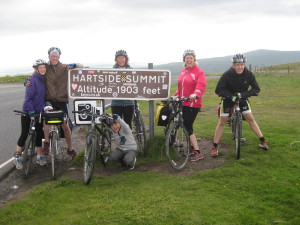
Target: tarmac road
column 11, row 97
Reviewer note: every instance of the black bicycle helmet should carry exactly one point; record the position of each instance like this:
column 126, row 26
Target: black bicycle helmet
column 189, row 52
column 38, row 62
column 238, row 58
column 121, row 53
column 54, row 50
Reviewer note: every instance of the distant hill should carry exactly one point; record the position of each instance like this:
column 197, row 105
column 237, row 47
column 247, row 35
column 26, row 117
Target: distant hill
column 256, row 58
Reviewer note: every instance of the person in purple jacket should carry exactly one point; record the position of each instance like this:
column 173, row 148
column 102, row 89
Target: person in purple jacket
column 33, row 103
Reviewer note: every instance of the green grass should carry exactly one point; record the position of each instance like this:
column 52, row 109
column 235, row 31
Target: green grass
column 13, row 79
column 263, row 187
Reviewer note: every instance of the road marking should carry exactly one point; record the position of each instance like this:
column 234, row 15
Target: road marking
column 7, row 162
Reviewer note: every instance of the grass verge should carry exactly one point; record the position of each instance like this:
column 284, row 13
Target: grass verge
column 263, row 187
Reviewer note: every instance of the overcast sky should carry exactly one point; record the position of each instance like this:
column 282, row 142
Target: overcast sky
column 158, row 31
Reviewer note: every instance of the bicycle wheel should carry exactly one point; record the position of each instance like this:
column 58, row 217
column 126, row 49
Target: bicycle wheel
column 89, row 158
column 238, row 135
column 140, row 133
column 105, row 146
column 177, row 146
column 54, row 152
column 28, row 153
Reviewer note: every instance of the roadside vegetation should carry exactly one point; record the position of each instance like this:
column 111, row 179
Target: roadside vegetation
column 13, row 79
column 263, row 187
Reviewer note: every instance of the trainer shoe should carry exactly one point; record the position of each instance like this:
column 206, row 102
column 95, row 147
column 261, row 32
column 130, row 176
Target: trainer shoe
column 18, row 160
column 40, row 159
column 214, row 151
column 45, row 149
column 195, row 156
column 264, row 145
column 128, row 167
column 72, row 153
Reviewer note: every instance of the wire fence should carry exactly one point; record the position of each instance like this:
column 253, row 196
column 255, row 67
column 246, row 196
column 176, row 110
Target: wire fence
column 274, row 70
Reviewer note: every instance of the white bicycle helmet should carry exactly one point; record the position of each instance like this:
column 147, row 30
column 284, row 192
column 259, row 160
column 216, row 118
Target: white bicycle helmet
column 189, row 52
column 238, row 58
column 54, row 49
column 38, row 62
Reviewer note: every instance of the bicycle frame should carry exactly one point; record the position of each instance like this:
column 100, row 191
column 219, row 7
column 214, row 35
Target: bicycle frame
column 177, row 139
column 236, row 125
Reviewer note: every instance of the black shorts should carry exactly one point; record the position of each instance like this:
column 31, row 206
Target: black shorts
column 226, row 106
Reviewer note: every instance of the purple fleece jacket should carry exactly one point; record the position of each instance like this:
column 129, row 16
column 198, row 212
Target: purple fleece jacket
column 35, row 94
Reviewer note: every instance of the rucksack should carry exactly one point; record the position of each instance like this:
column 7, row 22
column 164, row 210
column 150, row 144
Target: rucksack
column 163, row 113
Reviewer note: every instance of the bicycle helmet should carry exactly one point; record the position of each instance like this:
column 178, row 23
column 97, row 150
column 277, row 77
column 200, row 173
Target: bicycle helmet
column 188, row 52
column 38, row 62
column 238, row 58
column 54, row 50
column 121, row 53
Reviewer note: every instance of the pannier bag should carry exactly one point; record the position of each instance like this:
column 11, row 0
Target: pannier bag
column 54, row 117
column 162, row 116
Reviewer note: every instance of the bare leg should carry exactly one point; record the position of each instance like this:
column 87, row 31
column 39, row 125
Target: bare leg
column 194, row 142
column 250, row 119
column 220, row 128
column 46, row 132
column 67, row 132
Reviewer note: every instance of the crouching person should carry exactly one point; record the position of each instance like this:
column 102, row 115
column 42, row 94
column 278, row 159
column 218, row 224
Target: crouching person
column 126, row 147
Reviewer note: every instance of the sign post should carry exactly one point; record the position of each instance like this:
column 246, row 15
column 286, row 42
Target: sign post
column 151, row 113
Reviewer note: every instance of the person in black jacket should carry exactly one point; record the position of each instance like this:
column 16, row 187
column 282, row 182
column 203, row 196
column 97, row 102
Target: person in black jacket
column 234, row 84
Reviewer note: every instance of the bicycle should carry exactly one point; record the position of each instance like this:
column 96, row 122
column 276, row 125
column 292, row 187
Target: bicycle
column 29, row 147
column 177, row 139
column 98, row 140
column 139, row 129
column 55, row 119
column 235, row 122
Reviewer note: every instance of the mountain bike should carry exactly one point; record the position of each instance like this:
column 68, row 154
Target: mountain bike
column 55, row 119
column 177, row 139
column 29, row 147
column 139, row 130
column 235, row 122
column 98, row 140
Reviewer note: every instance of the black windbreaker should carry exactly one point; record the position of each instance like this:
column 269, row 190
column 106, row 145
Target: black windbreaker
column 231, row 83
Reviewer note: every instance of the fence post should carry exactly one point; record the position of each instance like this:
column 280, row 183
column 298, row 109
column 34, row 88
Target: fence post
column 151, row 113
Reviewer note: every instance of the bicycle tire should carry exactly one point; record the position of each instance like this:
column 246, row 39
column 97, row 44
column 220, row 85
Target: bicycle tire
column 177, row 146
column 53, row 145
column 238, row 135
column 140, row 133
column 105, row 146
column 28, row 153
column 89, row 158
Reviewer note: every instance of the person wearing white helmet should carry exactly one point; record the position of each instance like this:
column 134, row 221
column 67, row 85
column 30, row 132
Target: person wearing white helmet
column 235, row 83
column 33, row 104
column 192, row 84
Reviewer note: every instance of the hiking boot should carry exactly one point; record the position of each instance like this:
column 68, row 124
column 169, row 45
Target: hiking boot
column 264, row 145
column 18, row 160
column 214, row 151
column 40, row 159
column 195, row 156
column 72, row 153
column 45, row 149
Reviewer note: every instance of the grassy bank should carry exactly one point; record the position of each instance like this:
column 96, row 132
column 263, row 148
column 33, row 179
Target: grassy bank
column 13, row 79
column 263, row 187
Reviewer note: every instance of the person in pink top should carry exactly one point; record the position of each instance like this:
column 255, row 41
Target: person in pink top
column 192, row 84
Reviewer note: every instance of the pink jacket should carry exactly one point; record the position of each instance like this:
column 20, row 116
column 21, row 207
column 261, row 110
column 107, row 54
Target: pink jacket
column 191, row 81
